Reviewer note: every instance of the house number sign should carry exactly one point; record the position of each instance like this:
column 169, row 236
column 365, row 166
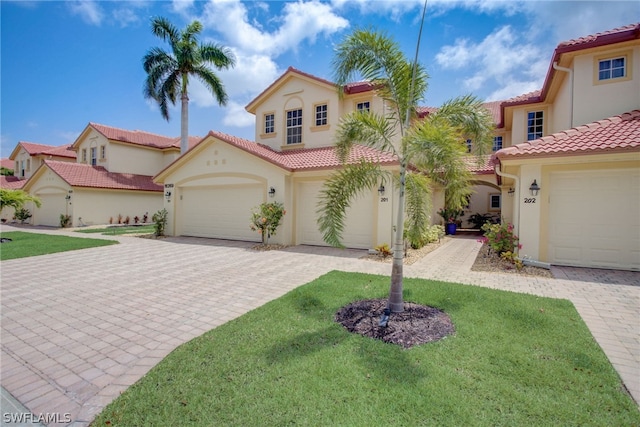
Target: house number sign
column 529, row 199
column 384, row 199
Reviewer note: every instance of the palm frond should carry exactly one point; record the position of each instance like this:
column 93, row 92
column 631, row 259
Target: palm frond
column 212, row 82
column 337, row 194
column 418, row 199
column 366, row 128
column 161, row 27
column 220, row 56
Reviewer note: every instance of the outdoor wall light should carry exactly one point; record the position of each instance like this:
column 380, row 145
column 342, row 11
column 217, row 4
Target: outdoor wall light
column 511, row 191
column 272, row 192
column 535, row 188
column 167, row 194
column 67, row 197
column 381, row 190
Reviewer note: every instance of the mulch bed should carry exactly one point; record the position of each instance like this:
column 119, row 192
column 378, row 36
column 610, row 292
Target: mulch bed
column 417, row 324
column 488, row 260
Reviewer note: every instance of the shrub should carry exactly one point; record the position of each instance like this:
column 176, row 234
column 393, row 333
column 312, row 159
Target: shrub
column 160, row 222
column 512, row 258
column 500, row 237
column 432, row 233
column 22, row 215
column 266, row 219
column 383, row 250
column 65, row 220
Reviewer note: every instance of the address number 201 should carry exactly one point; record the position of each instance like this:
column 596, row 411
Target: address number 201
column 384, row 199
column 529, row 199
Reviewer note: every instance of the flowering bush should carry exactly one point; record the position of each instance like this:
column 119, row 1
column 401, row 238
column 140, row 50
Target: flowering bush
column 266, row 218
column 500, row 237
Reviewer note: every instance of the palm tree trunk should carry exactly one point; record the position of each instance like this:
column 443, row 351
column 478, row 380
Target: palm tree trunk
column 184, row 123
column 396, row 303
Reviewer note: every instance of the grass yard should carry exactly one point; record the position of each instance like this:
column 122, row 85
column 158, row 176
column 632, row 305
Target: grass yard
column 117, row 230
column 514, row 360
column 31, row 244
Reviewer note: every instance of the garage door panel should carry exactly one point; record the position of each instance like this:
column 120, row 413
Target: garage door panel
column 219, row 212
column 594, row 218
column 49, row 212
column 358, row 225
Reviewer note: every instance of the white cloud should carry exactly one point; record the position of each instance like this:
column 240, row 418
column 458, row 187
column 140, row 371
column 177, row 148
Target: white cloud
column 182, row 7
column 88, row 10
column 237, row 116
column 125, row 16
column 500, row 59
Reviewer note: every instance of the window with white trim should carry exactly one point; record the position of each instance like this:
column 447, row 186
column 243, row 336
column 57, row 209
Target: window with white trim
column 84, row 155
column 535, row 124
column 363, row 107
column 103, row 152
column 269, row 123
column 321, row 115
column 494, row 201
column 497, row 143
column 294, row 126
column 94, row 156
column 612, row 68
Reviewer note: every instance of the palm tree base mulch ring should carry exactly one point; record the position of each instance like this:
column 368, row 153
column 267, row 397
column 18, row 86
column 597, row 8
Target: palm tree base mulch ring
column 417, row 324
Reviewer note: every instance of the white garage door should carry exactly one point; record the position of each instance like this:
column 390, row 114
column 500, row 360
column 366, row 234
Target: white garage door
column 359, row 221
column 594, row 219
column 49, row 212
column 219, row 212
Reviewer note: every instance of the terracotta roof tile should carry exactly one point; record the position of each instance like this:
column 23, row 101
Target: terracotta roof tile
column 139, row 137
column 82, row 175
column 492, row 106
column 7, row 163
column 35, row 149
column 11, row 182
column 305, row 159
column 482, row 165
column 614, row 134
column 524, row 99
column 594, row 38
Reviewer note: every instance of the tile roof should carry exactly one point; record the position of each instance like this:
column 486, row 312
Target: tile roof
column 83, row 175
column 614, row 134
column 603, row 38
column 306, row 159
column 481, row 165
column 11, row 182
column 35, row 149
column 140, row 137
column 492, row 106
column 7, row 163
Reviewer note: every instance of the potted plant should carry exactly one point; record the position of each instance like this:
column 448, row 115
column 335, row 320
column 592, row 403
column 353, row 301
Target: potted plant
column 450, row 217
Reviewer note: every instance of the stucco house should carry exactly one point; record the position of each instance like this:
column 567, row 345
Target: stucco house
column 210, row 190
column 582, row 149
column 109, row 179
column 28, row 156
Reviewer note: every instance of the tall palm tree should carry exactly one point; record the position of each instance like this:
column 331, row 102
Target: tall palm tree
column 168, row 72
column 430, row 151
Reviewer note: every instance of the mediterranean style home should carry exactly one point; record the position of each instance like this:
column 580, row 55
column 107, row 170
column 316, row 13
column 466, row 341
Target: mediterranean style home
column 570, row 166
column 565, row 172
column 104, row 177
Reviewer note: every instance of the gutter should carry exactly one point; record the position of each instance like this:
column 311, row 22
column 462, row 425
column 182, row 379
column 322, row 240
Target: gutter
column 570, row 71
column 516, row 195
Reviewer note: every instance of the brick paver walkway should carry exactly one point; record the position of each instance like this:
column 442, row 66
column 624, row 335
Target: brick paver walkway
column 80, row 327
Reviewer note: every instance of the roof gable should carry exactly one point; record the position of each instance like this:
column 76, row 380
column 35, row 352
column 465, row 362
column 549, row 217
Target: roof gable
column 35, row 149
column 135, row 137
column 614, row 134
column 83, row 175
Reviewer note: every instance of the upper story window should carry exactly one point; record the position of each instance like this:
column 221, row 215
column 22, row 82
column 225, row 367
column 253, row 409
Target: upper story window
column 22, row 171
column 468, row 145
column 269, row 123
column 321, row 115
column 535, row 124
column 28, row 165
column 363, row 106
column 497, row 143
column 94, row 156
column 294, row 126
column 103, row 152
column 84, row 155
column 612, row 68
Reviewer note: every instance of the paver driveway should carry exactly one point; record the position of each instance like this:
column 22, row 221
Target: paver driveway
column 80, row 327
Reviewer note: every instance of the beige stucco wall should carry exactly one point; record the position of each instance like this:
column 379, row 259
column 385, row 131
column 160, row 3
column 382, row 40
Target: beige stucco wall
column 122, row 157
column 23, row 159
column 215, row 162
column 595, row 100
column 47, row 185
column 297, row 93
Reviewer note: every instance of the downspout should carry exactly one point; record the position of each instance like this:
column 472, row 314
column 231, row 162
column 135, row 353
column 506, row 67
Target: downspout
column 570, row 71
column 516, row 195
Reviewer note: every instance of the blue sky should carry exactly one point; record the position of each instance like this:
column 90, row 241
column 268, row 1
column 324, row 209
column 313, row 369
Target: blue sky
column 67, row 63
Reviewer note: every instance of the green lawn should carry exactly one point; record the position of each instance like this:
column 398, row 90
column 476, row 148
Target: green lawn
column 31, row 244
column 117, row 230
column 515, row 360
